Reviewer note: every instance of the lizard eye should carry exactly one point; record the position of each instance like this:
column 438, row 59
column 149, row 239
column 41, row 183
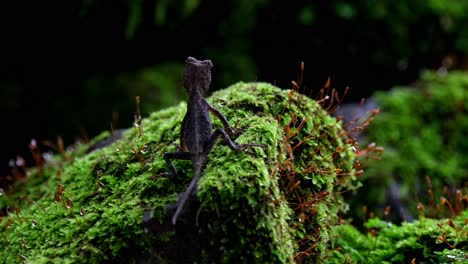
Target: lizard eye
column 208, row 64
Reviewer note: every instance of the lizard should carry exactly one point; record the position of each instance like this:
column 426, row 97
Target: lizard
column 196, row 135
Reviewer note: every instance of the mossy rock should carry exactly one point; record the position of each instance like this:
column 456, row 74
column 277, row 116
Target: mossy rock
column 276, row 204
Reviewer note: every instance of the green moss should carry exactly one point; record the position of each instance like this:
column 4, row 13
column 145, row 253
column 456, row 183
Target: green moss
column 252, row 208
column 423, row 130
column 425, row 241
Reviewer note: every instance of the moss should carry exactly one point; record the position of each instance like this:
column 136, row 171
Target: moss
column 274, row 205
column 423, row 130
column 422, row 241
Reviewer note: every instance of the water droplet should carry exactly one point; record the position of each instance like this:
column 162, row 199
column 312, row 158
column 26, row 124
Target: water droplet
column 20, row 161
column 49, row 157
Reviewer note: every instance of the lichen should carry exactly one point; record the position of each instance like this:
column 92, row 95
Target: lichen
column 275, row 204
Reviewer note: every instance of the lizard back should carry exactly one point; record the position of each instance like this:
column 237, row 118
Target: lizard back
column 197, row 127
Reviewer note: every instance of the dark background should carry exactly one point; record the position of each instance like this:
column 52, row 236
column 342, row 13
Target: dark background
column 66, row 67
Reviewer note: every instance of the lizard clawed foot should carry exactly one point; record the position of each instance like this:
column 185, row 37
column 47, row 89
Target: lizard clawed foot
column 248, row 151
column 236, row 130
column 169, row 175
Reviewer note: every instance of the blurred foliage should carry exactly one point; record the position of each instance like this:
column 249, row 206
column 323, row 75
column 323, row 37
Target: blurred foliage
column 158, row 87
column 414, row 27
column 402, row 29
column 235, row 55
column 162, row 9
column 423, row 130
column 396, row 15
column 239, row 36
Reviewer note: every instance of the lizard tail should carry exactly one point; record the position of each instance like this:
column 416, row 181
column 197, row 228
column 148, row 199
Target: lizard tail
column 187, row 193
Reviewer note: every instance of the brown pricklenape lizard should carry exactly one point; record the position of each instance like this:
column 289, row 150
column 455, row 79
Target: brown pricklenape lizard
column 196, row 136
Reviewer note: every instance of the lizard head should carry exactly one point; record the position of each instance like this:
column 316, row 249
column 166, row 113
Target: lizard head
column 197, row 74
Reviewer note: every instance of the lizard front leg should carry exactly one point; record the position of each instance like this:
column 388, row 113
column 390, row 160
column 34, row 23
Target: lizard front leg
column 168, row 156
column 227, row 140
column 227, row 128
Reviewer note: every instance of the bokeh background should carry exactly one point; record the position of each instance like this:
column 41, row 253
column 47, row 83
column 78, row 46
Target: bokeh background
column 72, row 69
